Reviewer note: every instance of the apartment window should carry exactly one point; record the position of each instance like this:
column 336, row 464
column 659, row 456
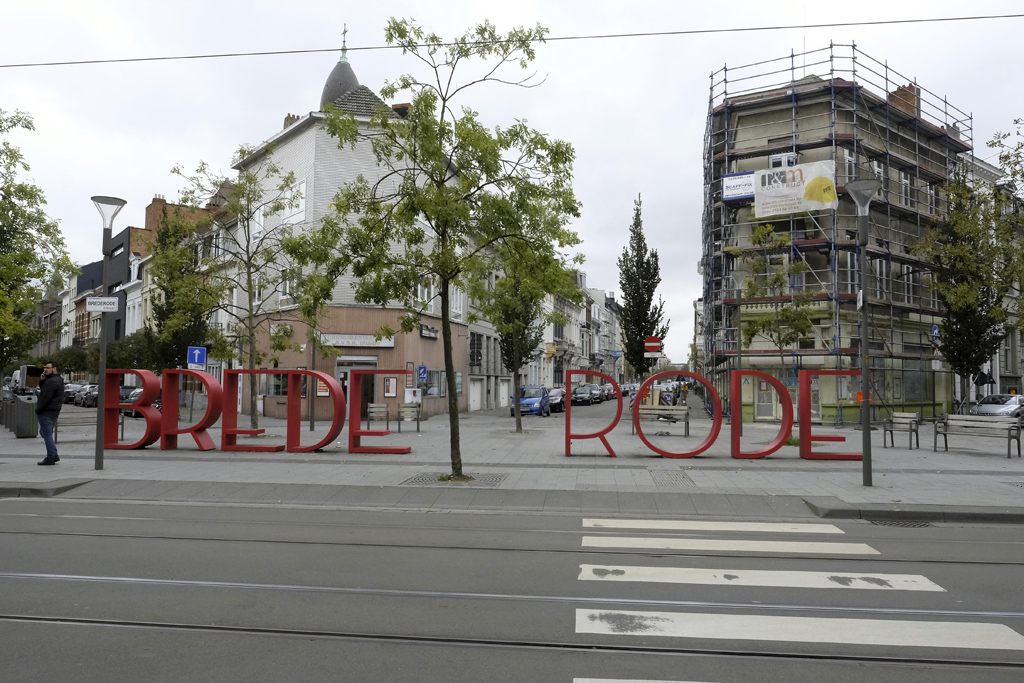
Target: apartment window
column 905, row 189
column 879, row 172
column 881, row 278
column 455, row 301
column 476, row 353
column 783, row 160
column 297, row 194
column 849, row 164
column 930, row 199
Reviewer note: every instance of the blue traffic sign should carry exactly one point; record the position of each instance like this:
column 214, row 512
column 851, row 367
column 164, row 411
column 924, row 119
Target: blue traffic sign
column 422, row 374
column 935, row 332
column 196, row 355
column 616, row 354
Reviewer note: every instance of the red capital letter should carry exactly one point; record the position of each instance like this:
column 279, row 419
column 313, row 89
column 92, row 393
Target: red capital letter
column 716, row 425
column 355, row 434
column 787, row 413
column 112, row 408
column 215, row 397
column 805, row 419
column 229, row 422
column 295, row 409
column 569, row 436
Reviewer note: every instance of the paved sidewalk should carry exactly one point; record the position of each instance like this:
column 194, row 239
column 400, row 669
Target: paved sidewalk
column 972, row 481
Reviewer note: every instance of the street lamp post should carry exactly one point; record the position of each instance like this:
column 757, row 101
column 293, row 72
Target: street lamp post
column 108, row 208
column 862, row 190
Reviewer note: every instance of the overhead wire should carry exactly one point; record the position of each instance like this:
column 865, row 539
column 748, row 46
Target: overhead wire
column 606, row 36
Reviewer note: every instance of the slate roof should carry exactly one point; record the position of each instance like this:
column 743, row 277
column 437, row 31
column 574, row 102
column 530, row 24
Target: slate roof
column 360, row 102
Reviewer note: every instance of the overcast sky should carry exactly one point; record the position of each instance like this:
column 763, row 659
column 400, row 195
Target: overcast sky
column 634, row 108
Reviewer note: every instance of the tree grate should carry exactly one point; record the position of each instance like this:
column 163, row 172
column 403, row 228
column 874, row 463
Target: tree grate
column 672, row 479
column 489, row 480
column 905, row 523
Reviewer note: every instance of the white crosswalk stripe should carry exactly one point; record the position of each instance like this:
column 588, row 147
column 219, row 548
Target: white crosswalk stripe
column 897, row 633
column 655, row 543
column 624, row 680
column 748, row 577
column 688, row 525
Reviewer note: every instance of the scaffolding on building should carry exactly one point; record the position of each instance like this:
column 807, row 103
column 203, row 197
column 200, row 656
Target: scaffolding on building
column 872, row 122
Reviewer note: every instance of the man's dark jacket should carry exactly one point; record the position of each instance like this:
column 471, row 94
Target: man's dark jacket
column 51, row 396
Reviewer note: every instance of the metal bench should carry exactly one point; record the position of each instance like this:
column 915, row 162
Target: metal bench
column 673, row 413
column 902, row 422
column 979, row 425
column 378, row 412
column 408, row 412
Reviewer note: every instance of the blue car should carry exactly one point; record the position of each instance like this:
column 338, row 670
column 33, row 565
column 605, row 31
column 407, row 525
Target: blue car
column 533, row 400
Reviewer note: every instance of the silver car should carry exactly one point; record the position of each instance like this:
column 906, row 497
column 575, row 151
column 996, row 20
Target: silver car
column 1000, row 405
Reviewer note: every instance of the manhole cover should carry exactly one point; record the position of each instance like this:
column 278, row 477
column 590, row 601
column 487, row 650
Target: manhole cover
column 672, row 479
column 479, row 480
column 906, row 523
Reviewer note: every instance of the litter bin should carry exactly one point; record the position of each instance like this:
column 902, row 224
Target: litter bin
column 25, row 424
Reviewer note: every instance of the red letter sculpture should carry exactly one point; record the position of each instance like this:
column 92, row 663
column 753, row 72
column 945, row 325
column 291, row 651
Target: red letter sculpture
column 355, row 434
column 787, row 414
column 169, row 408
column 229, row 422
column 805, row 419
column 716, row 425
column 144, row 406
column 295, row 409
column 569, row 436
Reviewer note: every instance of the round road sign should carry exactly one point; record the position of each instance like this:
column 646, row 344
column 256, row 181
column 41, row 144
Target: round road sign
column 652, row 344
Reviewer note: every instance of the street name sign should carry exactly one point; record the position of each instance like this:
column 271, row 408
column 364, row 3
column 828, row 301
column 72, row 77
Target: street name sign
column 102, row 304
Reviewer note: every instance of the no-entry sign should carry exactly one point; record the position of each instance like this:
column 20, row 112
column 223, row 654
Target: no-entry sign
column 652, row 347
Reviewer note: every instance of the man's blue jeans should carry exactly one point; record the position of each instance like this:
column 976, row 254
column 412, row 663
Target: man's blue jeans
column 46, row 431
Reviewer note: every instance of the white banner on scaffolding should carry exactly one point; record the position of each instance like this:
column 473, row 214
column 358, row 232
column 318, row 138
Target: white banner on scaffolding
column 795, row 189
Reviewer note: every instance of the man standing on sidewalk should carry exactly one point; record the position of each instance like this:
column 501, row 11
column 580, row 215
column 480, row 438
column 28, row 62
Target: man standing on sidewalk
column 51, row 400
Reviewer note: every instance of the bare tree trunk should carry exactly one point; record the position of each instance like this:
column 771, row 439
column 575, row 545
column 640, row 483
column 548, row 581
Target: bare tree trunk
column 449, row 365
column 254, row 420
column 517, row 361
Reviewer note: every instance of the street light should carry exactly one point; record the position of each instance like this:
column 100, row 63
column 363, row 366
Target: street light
column 108, row 208
column 862, row 191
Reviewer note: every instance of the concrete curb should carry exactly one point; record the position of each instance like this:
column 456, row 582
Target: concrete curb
column 40, row 489
column 835, row 508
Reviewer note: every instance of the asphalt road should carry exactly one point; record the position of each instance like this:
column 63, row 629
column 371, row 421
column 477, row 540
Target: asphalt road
column 98, row 591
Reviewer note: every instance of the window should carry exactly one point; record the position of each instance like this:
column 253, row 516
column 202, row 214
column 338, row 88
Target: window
column 257, row 294
column 455, row 301
column 879, row 172
column 906, row 190
column 849, row 164
column 425, row 295
column 930, row 198
column 881, row 278
column 117, row 251
column 431, row 386
column 298, row 196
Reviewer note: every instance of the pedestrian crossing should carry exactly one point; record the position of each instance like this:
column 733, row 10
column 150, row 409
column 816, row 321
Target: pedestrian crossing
column 732, row 626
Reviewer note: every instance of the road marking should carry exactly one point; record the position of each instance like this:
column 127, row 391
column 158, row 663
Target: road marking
column 652, row 543
column 624, row 680
column 746, row 577
column 685, row 525
column 944, row 634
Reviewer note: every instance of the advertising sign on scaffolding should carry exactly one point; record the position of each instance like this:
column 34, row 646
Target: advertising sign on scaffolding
column 737, row 186
column 795, row 189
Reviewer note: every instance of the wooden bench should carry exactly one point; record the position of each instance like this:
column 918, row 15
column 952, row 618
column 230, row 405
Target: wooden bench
column 378, row 412
column 979, row 425
column 408, row 412
column 902, row 422
column 673, row 413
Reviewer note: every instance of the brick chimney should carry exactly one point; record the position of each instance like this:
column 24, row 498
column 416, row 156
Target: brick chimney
column 290, row 119
column 907, row 98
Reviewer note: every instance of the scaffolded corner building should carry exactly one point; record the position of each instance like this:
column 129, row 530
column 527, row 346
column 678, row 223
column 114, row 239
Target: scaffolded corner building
column 868, row 121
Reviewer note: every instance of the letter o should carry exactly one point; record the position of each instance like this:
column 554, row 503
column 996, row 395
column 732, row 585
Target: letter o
column 716, row 425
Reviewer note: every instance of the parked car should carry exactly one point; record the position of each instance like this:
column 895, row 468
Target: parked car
column 596, row 395
column 608, row 392
column 80, row 396
column 581, row 396
column 133, row 396
column 1000, row 405
column 91, row 396
column 126, row 392
column 534, row 399
column 556, row 399
column 69, row 392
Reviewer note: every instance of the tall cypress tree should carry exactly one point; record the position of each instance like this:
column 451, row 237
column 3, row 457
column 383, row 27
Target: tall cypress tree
column 639, row 277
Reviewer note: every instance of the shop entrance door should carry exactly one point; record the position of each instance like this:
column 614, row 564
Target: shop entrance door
column 348, row 363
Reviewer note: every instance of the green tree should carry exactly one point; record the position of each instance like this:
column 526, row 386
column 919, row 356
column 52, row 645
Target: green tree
column 639, row 277
column 788, row 317
column 448, row 191
column 72, row 359
column 517, row 311
column 32, row 251
column 187, row 294
column 244, row 269
column 137, row 350
column 974, row 254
